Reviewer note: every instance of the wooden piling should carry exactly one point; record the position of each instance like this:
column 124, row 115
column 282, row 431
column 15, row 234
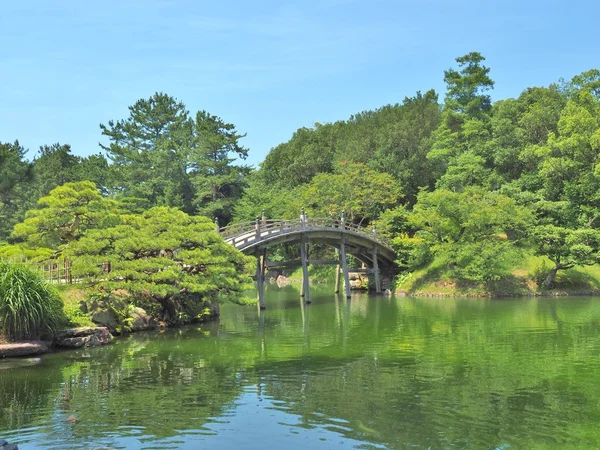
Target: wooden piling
column 345, row 268
column 68, row 276
column 260, row 279
column 305, row 280
column 337, row 272
column 376, row 270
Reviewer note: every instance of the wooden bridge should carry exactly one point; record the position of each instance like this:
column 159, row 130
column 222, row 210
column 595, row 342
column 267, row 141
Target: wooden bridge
column 257, row 236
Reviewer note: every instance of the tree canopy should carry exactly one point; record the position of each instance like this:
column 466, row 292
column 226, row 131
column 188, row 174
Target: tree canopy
column 162, row 154
column 172, row 264
column 469, row 180
column 65, row 214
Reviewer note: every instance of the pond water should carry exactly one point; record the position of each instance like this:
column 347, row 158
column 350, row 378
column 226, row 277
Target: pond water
column 369, row 372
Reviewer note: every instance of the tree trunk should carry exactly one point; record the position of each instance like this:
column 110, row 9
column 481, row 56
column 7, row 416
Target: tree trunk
column 551, row 276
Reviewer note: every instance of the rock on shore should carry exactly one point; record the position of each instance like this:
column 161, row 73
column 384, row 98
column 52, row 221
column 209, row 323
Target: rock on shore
column 83, row 337
column 27, row 348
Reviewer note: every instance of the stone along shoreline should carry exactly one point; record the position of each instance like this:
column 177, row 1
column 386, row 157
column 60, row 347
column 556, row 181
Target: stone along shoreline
column 70, row 338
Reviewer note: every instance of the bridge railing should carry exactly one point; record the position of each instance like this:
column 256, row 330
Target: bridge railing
column 246, row 232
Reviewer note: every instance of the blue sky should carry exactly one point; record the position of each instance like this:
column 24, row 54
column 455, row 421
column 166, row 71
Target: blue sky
column 269, row 67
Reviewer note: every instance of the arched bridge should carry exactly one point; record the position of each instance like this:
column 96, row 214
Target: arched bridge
column 257, row 236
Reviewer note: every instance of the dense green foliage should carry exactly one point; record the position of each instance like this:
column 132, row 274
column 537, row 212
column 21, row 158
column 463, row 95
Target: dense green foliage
column 160, row 154
column 171, row 264
column 474, row 185
column 60, row 218
column 24, row 182
column 474, row 231
column 470, row 184
column 29, row 307
column 14, row 172
column 164, row 155
column 394, row 139
column 354, row 189
column 64, row 215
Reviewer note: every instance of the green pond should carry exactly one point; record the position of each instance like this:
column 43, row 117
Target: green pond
column 369, row 372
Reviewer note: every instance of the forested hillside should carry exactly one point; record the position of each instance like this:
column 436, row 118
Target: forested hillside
column 471, row 193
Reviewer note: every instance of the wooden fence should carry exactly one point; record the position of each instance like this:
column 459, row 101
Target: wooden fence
column 55, row 272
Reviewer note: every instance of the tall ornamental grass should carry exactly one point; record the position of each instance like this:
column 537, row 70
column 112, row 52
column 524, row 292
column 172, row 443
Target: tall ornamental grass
column 29, row 307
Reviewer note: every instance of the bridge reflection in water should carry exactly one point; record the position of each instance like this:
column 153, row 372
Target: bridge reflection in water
column 255, row 237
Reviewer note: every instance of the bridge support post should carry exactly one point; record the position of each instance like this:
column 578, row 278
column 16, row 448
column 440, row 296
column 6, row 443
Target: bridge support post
column 377, row 274
column 257, row 228
column 260, row 277
column 305, row 280
column 337, row 272
column 345, row 267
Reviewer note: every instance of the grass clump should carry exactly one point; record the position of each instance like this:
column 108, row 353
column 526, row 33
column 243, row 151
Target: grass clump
column 30, row 308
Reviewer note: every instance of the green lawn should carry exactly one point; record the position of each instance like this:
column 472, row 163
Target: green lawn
column 522, row 279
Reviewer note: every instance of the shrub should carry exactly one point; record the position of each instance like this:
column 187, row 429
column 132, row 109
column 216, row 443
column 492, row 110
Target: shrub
column 29, row 307
column 161, row 261
column 411, row 252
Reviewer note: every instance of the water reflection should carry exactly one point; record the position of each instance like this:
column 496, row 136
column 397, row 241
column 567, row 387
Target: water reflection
column 365, row 371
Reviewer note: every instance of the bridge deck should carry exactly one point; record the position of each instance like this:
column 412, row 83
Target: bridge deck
column 248, row 234
column 256, row 236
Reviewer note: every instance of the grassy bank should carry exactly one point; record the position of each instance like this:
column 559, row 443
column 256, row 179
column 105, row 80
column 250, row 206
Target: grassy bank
column 524, row 279
column 72, row 296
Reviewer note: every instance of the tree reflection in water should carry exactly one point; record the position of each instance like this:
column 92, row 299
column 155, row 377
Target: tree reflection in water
column 439, row 373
